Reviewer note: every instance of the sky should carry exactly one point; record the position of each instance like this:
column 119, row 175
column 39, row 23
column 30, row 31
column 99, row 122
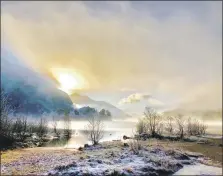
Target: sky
column 131, row 54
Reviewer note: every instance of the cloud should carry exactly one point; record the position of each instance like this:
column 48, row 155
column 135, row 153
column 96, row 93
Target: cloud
column 134, row 98
column 121, row 44
column 137, row 97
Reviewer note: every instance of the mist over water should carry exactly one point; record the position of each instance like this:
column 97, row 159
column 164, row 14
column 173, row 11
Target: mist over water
column 114, row 130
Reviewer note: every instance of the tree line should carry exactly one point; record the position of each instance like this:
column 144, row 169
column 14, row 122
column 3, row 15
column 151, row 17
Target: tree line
column 155, row 124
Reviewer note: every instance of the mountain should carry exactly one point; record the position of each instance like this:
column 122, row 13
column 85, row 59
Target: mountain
column 82, row 100
column 28, row 91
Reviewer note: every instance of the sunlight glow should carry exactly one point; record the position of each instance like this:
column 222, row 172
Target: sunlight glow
column 69, row 80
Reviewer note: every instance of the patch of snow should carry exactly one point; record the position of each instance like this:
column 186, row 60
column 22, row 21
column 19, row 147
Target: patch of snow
column 199, row 169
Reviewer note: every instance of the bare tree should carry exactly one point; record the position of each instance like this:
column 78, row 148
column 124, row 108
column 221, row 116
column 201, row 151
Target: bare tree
column 160, row 128
column 203, row 129
column 141, row 126
column 20, row 127
column 195, row 127
column 153, row 119
column 169, row 125
column 67, row 127
column 189, row 126
column 180, row 122
column 42, row 128
column 5, row 120
column 54, row 124
column 95, row 130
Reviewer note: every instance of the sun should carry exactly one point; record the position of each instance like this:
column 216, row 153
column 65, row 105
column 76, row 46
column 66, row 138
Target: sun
column 69, row 80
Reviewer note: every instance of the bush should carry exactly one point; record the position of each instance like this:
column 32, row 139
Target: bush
column 135, row 146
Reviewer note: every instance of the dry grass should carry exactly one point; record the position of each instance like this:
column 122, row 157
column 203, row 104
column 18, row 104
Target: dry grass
column 11, row 155
column 135, row 146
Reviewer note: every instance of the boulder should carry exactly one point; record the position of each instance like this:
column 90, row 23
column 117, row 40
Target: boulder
column 80, row 148
column 126, row 145
column 126, row 137
column 86, row 145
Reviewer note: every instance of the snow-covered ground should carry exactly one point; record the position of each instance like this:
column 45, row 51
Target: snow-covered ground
column 106, row 160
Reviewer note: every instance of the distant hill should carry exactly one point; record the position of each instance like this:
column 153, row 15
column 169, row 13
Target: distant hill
column 86, row 101
column 29, row 92
column 202, row 114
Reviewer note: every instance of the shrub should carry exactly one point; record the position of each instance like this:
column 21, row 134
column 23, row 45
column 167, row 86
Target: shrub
column 135, row 146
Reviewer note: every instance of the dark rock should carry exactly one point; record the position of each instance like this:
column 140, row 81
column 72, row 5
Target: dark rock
column 92, row 164
column 172, row 138
column 80, row 148
column 112, row 154
column 91, row 160
column 99, row 161
column 186, row 162
column 86, row 145
column 177, row 155
column 156, row 150
column 148, row 169
column 126, row 137
column 126, row 145
column 181, row 156
column 25, row 145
